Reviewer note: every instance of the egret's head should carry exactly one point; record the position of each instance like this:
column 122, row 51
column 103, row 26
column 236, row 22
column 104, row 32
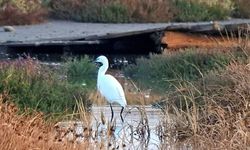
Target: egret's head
column 101, row 60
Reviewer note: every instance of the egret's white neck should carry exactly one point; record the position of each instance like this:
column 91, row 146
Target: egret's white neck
column 102, row 70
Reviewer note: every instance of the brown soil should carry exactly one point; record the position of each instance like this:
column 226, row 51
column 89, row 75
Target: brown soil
column 177, row 40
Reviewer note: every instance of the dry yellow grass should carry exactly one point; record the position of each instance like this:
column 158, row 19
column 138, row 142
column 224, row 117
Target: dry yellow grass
column 19, row 12
column 30, row 130
column 22, row 132
column 150, row 10
column 243, row 7
column 222, row 122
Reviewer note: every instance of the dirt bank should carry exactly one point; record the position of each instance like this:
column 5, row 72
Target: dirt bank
column 177, row 40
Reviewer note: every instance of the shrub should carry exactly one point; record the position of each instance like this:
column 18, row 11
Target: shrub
column 161, row 72
column 150, row 10
column 223, row 119
column 81, row 72
column 18, row 12
column 112, row 11
column 194, row 10
column 242, row 8
column 225, row 4
column 32, row 86
column 89, row 10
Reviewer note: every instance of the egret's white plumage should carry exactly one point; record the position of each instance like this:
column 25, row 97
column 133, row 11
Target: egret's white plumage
column 109, row 87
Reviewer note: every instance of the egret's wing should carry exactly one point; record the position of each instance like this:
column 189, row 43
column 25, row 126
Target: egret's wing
column 123, row 101
column 114, row 86
column 112, row 90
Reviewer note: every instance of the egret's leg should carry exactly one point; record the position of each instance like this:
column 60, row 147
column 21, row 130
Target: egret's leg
column 121, row 114
column 112, row 112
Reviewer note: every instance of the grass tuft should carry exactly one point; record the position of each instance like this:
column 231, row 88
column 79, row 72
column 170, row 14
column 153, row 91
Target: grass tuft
column 194, row 10
column 22, row 12
column 81, row 72
column 36, row 87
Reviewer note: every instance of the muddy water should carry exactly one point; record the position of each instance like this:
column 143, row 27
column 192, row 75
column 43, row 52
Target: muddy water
column 139, row 129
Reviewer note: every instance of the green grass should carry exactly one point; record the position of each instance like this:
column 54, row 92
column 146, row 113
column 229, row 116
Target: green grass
column 123, row 11
column 81, row 72
column 90, row 11
column 198, row 11
column 40, row 88
column 113, row 11
column 161, row 73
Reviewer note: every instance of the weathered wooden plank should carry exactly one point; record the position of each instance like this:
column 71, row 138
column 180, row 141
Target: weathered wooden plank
column 51, row 43
column 125, row 34
column 213, row 26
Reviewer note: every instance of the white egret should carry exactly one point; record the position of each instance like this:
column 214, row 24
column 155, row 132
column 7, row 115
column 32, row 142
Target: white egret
column 109, row 87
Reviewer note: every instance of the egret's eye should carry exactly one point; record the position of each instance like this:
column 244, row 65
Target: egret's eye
column 98, row 64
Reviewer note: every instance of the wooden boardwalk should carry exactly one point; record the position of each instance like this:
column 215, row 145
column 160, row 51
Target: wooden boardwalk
column 60, row 31
column 67, row 33
column 72, row 31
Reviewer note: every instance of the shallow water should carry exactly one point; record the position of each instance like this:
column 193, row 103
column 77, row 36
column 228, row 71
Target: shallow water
column 131, row 114
column 139, row 130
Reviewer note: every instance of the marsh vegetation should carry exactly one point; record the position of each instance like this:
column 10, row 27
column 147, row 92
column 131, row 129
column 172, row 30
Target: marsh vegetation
column 120, row 11
column 201, row 96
